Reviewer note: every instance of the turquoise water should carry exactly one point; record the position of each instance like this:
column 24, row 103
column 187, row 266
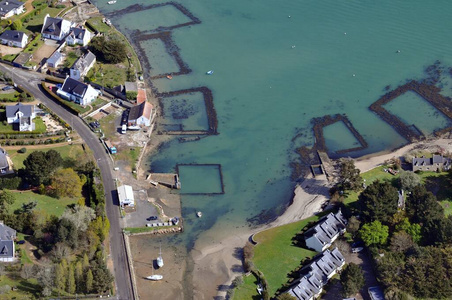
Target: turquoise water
column 339, row 137
column 411, row 108
column 200, row 179
column 187, row 110
column 273, row 74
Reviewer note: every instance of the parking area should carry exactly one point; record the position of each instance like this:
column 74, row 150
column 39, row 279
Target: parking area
column 137, row 217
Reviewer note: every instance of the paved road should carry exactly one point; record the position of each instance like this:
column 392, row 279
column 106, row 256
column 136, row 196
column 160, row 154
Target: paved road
column 32, row 81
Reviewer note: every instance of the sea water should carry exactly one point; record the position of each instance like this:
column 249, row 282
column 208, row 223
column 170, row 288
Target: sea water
column 277, row 65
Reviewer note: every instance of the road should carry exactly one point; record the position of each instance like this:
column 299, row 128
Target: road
column 32, row 81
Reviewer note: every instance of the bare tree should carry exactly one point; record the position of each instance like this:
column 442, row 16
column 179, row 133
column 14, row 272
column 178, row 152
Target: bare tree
column 27, row 272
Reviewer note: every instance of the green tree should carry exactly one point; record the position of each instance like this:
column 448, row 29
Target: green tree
column 353, row 226
column 379, row 202
column 103, row 278
column 109, row 50
column 66, row 183
column 85, row 261
column 349, row 175
column 39, row 166
column 401, row 241
column 79, row 280
column 60, row 277
column 409, row 180
column 422, row 206
column 414, row 230
column 89, row 281
column 352, row 279
column 16, row 25
column 71, row 280
column 6, row 199
column 374, row 233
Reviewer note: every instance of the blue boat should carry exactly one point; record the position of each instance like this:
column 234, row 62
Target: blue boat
column 210, row 72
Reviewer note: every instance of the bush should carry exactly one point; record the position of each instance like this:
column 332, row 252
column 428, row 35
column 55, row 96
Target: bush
column 22, row 150
column 131, row 95
column 16, row 25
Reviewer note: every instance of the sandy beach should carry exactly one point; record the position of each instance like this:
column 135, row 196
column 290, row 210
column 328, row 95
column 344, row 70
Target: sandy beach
column 216, row 266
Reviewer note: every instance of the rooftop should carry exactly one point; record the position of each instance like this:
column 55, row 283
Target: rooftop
column 12, row 35
column 26, row 110
column 8, row 5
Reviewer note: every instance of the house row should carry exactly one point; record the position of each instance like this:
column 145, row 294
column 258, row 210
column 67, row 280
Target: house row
column 435, row 163
column 315, row 276
column 327, row 230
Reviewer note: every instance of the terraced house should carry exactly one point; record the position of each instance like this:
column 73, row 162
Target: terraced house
column 327, row 230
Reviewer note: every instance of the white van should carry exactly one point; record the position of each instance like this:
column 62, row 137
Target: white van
column 124, row 129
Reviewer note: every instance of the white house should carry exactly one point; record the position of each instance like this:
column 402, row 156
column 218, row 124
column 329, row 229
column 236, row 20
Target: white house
column 327, row 230
column 21, row 115
column 82, row 65
column 141, row 115
column 4, row 163
column 77, row 91
column 7, row 247
column 14, row 38
column 78, row 36
column 316, row 275
column 55, row 28
column 125, row 194
column 9, row 8
column 55, row 59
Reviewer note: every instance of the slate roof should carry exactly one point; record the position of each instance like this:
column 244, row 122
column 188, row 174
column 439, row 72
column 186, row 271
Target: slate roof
column 7, row 236
column 12, row 35
column 11, row 110
column 74, row 87
column 78, row 33
column 3, row 161
column 6, row 232
column 83, row 62
column 54, row 57
column 131, row 86
column 52, row 26
column 143, row 109
column 327, row 227
column 424, row 161
column 8, row 5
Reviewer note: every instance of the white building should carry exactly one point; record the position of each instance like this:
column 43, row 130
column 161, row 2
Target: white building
column 77, row 91
column 21, row 115
column 9, row 8
column 82, row 65
column 125, row 194
column 7, row 247
column 55, row 59
column 141, row 115
column 14, row 38
column 55, row 28
column 78, row 36
column 327, row 230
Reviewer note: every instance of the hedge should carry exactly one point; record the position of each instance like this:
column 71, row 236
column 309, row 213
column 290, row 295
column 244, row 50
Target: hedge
column 59, row 99
column 54, row 79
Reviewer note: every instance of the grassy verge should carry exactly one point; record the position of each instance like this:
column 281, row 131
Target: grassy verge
column 133, row 230
column 45, row 204
column 10, row 97
column 276, row 256
column 248, row 290
column 34, row 45
column 96, row 24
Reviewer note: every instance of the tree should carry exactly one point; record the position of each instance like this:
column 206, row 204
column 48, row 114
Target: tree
column 71, row 280
column 374, row 233
column 401, row 241
column 79, row 280
column 16, row 25
column 103, row 278
column 379, row 202
column 414, row 230
column 46, row 279
column 60, row 277
column 352, row 279
column 89, row 281
column 108, row 50
column 349, row 175
column 409, row 180
column 66, row 183
column 80, row 216
column 353, row 226
column 6, row 199
column 422, row 206
column 39, row 166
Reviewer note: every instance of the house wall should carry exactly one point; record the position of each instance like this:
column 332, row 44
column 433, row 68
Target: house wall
column 143, row 121
column 90, row 95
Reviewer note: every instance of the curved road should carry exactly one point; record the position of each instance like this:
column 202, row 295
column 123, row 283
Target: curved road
column 32, row 81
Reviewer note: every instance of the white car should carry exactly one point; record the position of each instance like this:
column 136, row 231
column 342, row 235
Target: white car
column 357, row 249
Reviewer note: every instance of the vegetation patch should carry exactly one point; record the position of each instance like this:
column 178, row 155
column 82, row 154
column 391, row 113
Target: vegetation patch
column 34, row 45
column 134, row 230
column 46, row 205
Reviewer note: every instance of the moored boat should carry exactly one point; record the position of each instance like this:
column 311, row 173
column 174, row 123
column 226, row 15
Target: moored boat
column 199, row 214
column 111, row 2
column 210, row 72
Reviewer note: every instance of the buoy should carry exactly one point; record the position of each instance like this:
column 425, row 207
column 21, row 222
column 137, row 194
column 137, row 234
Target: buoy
column 353, row 75
column 293, row 46
column 398, row 51
column 289, row 16
column 345, row 33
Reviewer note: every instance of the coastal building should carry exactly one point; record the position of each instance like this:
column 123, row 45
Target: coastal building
column 14, row 38
column 327, row 230
column 82, row 65
column 4, row 162
column 77, row 91
column 141, row 115
column 7, row 247
column 9, row 8
column 55, row 28
column 141, row 96
column 435, row 163
column 78, row 36
column 315, row 276
column 21, row 116
column 125, row 195
column 55, row 59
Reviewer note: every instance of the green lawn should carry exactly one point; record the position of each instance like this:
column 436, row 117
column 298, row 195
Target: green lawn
column 276, row 256
column 248, row 290
column 24, row 259
column 130, row 154
column 39, row 125
column 71, row 57
column 107, row 124
column 112, row 75
column 97, row 24
column 9, row 57
column 26, row 289
column 66, row 151
column 46, row 204
column 34, row 45
column 35, row 22
column 447, row 205
column 9, row 97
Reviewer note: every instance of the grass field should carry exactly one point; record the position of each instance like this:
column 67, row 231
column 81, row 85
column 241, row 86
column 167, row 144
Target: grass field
column 130, row 155
column 97, row 24
column 248, row 289
column 11, row 97
column 276, row 256
column 46, row 204
column 26, row 289
column 112, row 75
column 73, row 151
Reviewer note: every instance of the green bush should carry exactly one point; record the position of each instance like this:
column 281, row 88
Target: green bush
column 22, row 150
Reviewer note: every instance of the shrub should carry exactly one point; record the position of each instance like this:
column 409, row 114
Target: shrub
column 22, row 150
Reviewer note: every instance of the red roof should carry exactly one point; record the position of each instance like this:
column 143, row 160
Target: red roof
column 141, row 96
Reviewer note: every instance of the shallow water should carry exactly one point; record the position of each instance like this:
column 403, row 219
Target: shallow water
column 273, row 74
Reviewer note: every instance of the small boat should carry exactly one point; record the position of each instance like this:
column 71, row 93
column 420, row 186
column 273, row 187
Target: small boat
column 154, row 277
column 160, row 259
column 260, row 289
column 169, row 77
column 210, row 72
column 199, row 214
column 111, row 2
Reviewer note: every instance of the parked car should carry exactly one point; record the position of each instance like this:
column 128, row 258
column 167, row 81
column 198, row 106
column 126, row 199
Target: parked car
column 152, row 218
column 357, row 249
column 8, row 87
column 21, row 242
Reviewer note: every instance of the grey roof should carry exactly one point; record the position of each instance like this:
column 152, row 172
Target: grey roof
column 11, row 110
column 55, row 57
column 424, row 161
column 84, row 61
column 78, row 33
column 12, row 35
column 327, row 227
column 8, row 5
column 3, row 161
column 52, row 26
column 131, row 86
column 6, row 249
column 74, row 87
column 7, row 233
